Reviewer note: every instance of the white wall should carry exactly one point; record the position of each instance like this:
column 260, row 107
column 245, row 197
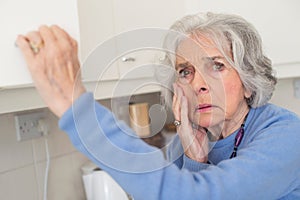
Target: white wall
column 284, row 95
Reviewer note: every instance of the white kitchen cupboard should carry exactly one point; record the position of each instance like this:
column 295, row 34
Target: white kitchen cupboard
column 114, row 52
column 133, row 14
column 96, row 27
column 104, row 26
column 130, row 17
column 99, row 20
column 277, row 22
column 19, row 17
column 134, row 57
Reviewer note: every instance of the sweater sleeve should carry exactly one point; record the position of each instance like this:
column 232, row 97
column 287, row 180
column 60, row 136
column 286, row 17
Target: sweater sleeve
column 144, row 173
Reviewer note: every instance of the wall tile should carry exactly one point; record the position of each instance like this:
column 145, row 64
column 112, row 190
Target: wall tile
column 58, row 141
column 19, row 184
column 13, row 154
column 78, row 160
column 63, row 180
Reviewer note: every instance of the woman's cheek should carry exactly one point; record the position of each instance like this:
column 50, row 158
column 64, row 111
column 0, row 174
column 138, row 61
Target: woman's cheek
column 234, row 97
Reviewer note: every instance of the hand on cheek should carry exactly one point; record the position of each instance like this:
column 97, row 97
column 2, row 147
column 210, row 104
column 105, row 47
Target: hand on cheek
column 194, row 142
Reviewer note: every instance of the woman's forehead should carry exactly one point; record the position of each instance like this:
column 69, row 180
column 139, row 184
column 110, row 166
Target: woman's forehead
column 194, row 48
column 191, row 51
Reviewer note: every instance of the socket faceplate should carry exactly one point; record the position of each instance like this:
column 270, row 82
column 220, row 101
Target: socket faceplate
column 27, row 125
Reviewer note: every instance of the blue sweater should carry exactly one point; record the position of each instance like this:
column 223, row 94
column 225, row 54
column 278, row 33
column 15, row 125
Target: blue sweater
column 267, row 165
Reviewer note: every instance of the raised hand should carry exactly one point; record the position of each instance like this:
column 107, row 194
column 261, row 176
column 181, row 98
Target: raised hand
column 52, row 59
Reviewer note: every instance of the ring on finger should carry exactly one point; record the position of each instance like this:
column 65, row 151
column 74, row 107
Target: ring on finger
column 177, row 123
column 36, row 47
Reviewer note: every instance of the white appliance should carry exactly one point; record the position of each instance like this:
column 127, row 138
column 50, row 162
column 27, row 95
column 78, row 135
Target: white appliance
column 99, row 185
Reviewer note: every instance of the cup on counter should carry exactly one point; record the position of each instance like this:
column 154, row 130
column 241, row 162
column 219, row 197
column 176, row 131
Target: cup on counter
column 139, row 119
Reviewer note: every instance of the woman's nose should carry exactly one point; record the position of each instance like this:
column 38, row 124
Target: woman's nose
column 199, row 84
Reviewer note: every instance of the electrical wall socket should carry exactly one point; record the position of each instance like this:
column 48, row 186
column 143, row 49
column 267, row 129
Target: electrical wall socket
column 28, row 126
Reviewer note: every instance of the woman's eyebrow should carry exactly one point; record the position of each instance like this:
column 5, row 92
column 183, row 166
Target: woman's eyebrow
column 183, row 65
column 212, row 58
column 188, row 64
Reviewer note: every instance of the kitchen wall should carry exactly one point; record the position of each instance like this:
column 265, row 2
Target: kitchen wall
column 22, row 164
column 284, row 95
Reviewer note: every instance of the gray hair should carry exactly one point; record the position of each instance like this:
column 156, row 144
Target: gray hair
column 254, row 68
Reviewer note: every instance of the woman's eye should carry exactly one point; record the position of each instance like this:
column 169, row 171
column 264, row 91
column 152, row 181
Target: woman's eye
column 217, row 66
column 185, row 72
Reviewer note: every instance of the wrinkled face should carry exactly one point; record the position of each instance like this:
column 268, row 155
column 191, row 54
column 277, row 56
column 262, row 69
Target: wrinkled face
column 212, row 86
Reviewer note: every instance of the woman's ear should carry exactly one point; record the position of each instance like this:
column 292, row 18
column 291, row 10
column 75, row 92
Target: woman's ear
column 247, row 93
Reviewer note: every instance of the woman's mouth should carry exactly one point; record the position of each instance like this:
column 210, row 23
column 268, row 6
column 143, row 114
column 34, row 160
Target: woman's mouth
column 204, row 108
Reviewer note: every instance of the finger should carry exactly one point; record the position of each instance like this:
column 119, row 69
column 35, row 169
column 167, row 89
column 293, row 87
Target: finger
column 177, row 102
column 184, row 111
column 35, row 41
column 185, row 128
column 185, row 120
column 65, row 40
column 75, row 44
column 71, row 71
column 23, row 43
column 47, row 35
column 175, row 95
column 174, row 102
column 34, row 37
column 60, row 34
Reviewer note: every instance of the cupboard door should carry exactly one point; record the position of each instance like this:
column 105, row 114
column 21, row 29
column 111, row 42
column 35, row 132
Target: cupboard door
column 135, row 21
column 97, row 48
column 138, row 64
column 19, row 17
column 132, row 14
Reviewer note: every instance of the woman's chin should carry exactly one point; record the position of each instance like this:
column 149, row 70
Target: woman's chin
column 205, row 123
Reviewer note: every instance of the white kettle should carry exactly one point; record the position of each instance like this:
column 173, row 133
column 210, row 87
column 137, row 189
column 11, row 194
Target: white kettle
column 99, row 185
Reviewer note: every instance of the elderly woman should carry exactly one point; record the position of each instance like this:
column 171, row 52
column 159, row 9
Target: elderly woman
column 231, row 143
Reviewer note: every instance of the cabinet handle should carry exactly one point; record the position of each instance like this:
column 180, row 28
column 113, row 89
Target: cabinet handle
column 128, row 59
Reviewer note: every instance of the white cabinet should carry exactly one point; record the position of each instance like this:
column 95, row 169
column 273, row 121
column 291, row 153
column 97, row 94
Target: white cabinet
column 276, row 21
column 139, row 50
column 133, row 14
column 97, row 48
column 117, row 40
column 137, row 64
column 19, row 17
column 103, row 67
column 134, row 20
column 109, row 51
